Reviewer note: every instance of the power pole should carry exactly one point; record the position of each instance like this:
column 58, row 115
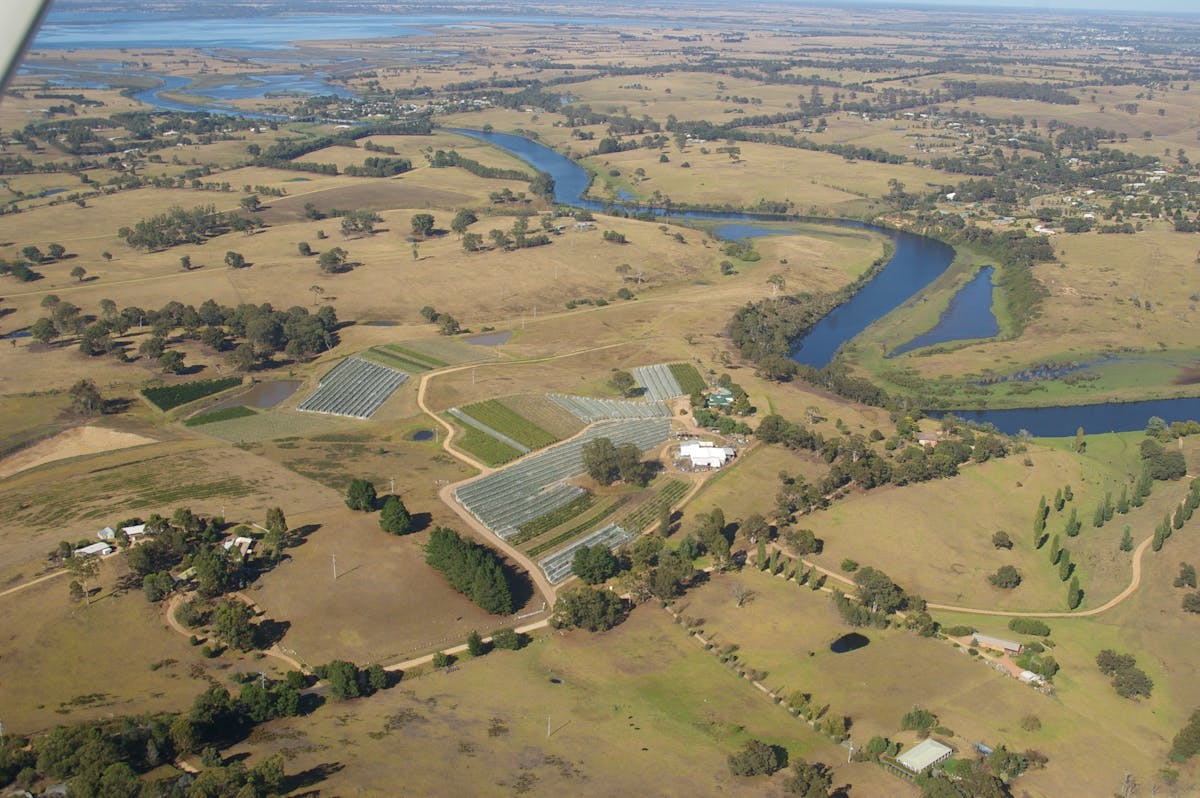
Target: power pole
column 393, row 488
column 334, row 556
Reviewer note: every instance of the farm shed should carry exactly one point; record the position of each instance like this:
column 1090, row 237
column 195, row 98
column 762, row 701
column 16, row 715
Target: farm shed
column 719, row 397
column 94, row 550
column 135, row 531
column 108, row 533
column 997, row 644
column 705, row 454
column 1029, row 677
column 925, row 754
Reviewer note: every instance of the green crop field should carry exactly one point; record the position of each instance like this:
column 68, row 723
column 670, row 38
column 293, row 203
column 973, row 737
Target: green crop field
column 688, row 378
column 559, row 537
column 483, row 446
column 559, row 515
column 647, row 512
column 544, row 413
column 171, row 396
column 385, row 357
column 508, row 422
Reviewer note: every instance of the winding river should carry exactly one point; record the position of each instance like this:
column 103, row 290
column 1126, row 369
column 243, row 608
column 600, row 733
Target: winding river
column 916, row 263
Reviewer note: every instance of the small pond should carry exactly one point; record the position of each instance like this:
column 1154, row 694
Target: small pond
column 262, row 395
column 16, row 334
column 847, row 643
column 968, row 316
column 422, row 435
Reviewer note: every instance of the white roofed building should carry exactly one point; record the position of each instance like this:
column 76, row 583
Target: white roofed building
column 705, row 454
column 924, row 755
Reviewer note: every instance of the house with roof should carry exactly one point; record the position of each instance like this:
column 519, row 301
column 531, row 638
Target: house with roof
column 925, row 755
column 997, row 644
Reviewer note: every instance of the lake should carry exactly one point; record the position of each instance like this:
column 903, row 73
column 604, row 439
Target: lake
column 968, row 317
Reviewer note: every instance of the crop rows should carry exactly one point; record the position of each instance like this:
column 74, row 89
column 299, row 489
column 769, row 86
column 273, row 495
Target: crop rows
column 647, row 513
column 658, row 381
column 485, row 448
column 532, row 487
column 354, row 388
column 384, row 357
column 559, row 515
column 168, row 396
column 486, row 430
column 557, row 566
column 587, row 409
column 409, row 354
column 574, row 531
column 546, row 414
column 689, row 379
column 506, row 420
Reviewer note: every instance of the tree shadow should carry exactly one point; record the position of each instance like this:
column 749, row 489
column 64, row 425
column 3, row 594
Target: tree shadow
column 309, row 778
column 195, row 368
column 421, row 521
column 270, row 632
column 781, row 755
column 519, row 584
column 299, row 535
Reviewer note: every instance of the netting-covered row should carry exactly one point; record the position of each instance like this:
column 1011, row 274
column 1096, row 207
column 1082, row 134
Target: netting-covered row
column 354, row 388
column 557, row 566
column 533, row 486
column 486, row 430
column 587, row 409
column 659, row 382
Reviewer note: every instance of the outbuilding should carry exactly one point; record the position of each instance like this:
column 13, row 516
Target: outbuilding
column 108, row 533
column 705, row 454
column 924, row 755
column 94, row 550
column 997, row 644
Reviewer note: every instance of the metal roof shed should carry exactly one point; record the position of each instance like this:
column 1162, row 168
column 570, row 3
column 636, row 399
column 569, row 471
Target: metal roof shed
column 924, row 755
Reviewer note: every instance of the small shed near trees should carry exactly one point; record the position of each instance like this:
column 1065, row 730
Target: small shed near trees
column 997, row 644
column 924, row 755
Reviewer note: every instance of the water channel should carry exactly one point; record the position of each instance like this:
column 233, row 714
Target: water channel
column 916, row 262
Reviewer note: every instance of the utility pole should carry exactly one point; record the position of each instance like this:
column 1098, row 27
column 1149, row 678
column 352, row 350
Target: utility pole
column 334, row 556
column 393, row 488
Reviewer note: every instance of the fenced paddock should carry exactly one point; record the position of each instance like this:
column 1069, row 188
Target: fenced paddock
column 590, row 410
column 557, row 566
column 354, row 388
column 659, row 382
column 533, row 486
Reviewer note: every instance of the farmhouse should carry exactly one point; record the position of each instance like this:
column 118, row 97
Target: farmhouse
column 997, row 644
column 929, row 439
column 924, row 755
column 705, row 454
column 94, row 550
column 719, row 397
column 241, row 544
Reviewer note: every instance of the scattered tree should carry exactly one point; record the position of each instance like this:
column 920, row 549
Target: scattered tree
column 361, row 495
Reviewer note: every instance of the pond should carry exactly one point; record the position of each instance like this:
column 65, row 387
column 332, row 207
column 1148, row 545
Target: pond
column 849, row 642
column 422, row 435
column 262, row 395
column 968, row 316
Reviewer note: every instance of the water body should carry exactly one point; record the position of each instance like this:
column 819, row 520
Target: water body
column 267, row 85
column 94, row 30
column 916, row 262
column 262, row 395
column 849, row 642
column 968, row 316
column 423, row 435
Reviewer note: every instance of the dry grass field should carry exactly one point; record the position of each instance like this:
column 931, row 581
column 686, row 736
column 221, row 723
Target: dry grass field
column 786, row 630
column 641, row 709
column 643, row 695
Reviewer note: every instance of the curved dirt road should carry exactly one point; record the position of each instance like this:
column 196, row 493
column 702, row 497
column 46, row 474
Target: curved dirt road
column 1134, row 582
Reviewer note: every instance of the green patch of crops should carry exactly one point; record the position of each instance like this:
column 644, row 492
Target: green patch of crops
column 169, row 396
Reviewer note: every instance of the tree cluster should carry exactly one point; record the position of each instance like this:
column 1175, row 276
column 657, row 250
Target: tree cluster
column 471, row 569
column 1127, row 679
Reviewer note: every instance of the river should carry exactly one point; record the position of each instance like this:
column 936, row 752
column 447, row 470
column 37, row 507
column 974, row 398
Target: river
column 917, row 261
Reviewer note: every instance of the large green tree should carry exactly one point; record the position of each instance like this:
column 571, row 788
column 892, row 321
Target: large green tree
column 233, row 624
column 394, row 517
column 361, row 495
column 588, row 608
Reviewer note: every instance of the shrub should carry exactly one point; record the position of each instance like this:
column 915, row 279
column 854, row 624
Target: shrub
column 1029, row 626
column 755, row 759
column 1006, row 577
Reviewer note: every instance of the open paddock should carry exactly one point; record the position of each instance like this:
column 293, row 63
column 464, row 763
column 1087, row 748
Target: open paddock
column 786, row 630
column 642, row 695
column 65, row 663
